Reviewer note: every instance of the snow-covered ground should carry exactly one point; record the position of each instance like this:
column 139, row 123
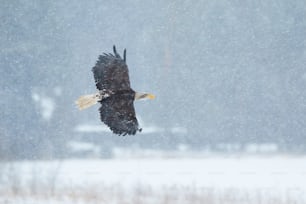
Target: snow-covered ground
column 216, row 179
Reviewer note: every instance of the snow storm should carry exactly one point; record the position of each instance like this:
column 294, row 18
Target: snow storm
column 227, row 126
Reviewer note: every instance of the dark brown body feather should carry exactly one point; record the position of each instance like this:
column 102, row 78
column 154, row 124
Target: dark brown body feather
column 117, row 110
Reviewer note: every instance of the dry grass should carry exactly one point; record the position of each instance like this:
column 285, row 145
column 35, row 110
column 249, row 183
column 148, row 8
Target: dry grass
column 36, row 188
column 148, row 195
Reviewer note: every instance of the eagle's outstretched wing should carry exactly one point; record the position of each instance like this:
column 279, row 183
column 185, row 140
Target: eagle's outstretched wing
column 117, row 112
column 111, row 72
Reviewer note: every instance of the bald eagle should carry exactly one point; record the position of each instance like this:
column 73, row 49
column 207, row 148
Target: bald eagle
column 115, row 94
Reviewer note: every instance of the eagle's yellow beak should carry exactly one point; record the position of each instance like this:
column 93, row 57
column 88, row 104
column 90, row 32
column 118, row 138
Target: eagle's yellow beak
column 139, row 96
column 150, row 96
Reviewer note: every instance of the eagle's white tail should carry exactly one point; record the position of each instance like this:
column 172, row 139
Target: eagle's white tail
column 87, row 100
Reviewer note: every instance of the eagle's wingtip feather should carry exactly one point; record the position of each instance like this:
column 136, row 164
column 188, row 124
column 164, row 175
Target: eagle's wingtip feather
column 124, row 55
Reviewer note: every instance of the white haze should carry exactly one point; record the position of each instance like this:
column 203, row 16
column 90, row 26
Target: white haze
column 227, row 124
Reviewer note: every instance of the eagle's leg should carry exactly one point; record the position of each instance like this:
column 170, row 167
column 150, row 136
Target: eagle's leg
column 105, row 94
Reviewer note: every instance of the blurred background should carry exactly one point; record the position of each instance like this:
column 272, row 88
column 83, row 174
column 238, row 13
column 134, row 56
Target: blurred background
column 229, row 77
